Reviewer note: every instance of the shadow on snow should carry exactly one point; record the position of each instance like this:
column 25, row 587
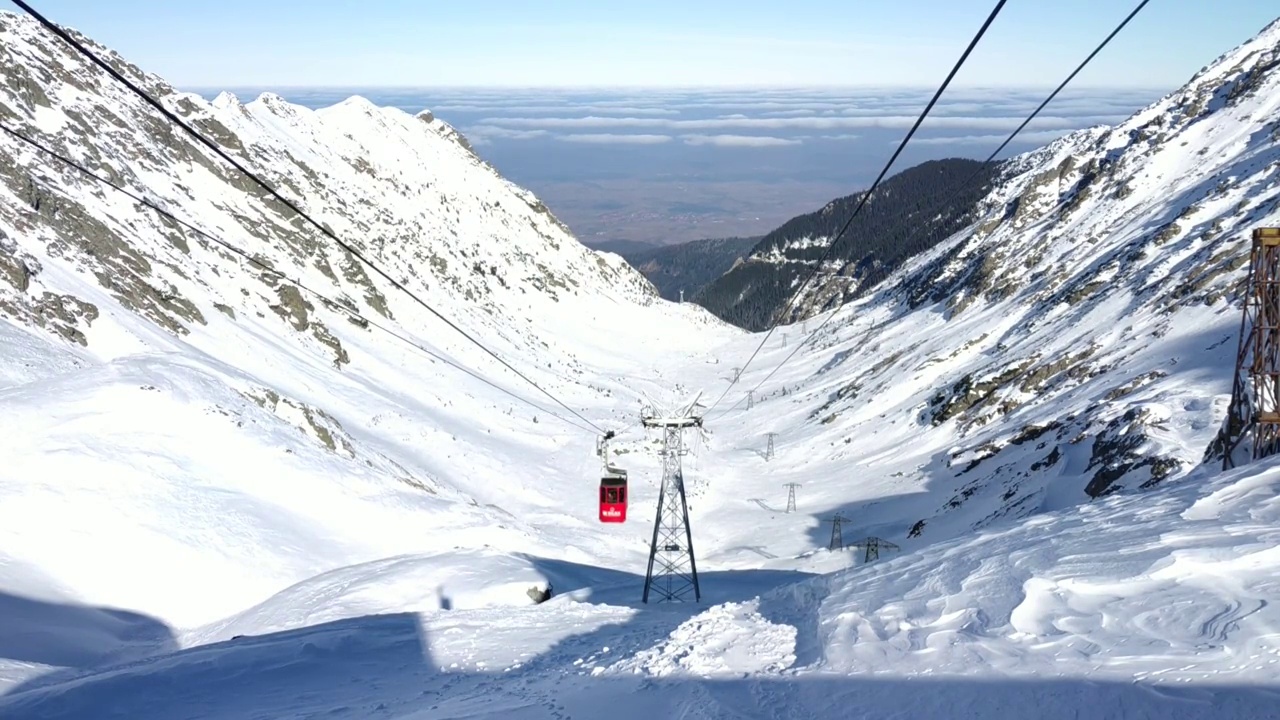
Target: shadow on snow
column 381, row 666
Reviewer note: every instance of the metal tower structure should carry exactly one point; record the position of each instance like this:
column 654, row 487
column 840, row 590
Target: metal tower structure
column 873, row 547
column 768, row 452
column 1254, row 413
column 602, row 449
column 751, row 399
column 791, row 496
column 837, row 540
column 672, row 547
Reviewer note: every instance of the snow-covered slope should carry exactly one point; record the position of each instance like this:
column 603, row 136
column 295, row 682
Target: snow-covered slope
column 1153, row 606
column 306, row 517
column 1079, row 340
column 185, row 434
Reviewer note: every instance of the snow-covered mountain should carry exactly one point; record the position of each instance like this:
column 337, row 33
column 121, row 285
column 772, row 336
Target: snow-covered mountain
column 1023, row 410
column 144, row 363
column 1082, row 337
column 1077, row 340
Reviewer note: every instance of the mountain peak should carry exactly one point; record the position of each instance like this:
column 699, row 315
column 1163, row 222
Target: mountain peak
column 1258, row 50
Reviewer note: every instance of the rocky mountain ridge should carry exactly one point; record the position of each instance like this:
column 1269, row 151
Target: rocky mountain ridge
column 910, row 212
column 1079, row 337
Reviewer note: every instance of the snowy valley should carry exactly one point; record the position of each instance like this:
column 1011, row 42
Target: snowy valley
column 223, row 497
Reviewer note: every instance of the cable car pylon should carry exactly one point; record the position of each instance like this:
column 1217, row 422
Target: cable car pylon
column 671, row 550
column 1253, row 417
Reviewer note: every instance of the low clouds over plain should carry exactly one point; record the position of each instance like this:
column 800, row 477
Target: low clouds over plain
column 835, row 137
column 778, row 118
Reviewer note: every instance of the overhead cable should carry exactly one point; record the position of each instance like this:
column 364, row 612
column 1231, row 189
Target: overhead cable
column 962, row 186
column 276, row 273
column 867, row 195
column 216, row 149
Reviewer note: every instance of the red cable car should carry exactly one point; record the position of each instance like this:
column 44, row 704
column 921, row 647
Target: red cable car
column 613, row 496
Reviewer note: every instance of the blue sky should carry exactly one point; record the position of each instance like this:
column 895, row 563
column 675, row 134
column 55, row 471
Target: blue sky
column 228, row 43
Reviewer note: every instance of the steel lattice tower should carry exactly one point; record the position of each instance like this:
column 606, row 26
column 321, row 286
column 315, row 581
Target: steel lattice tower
column 1255, row 393
column 672, row 547
column 873, row 547
column 837, row 538
column 791, row 496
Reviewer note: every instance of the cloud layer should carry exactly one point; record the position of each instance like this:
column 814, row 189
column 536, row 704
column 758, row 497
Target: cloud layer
column 778, row 118
column 739, row 140
column 612, row 138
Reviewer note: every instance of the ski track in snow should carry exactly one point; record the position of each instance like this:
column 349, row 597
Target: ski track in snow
column 229, row 523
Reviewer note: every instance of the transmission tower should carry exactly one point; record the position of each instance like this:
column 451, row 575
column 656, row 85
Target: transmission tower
column 736, row 372
column 784, row 339
column 873, row 547
column 768, row 452
column 1255, row 394
column 672, row 546
column 751, row 399
column 791, row 496
column 837, row 540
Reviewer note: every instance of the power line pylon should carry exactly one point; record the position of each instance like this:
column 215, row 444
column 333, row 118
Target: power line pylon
column 751, row 399
column 1254, row 412
column 768, row 452
column 736, row 373
column 672, row 546
column 837, row 540
column 873, row 547
column 791, row 496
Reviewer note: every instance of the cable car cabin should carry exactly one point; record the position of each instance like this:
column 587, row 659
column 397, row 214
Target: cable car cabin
column 613, row 497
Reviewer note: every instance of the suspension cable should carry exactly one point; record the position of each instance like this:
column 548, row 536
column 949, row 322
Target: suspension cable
column 330, row 302
column 961, row 187
column 80, row 48
column 865, row 196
